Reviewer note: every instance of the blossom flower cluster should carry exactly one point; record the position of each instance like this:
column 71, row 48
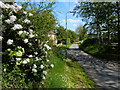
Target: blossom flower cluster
column 21, row 42
column 17, row 26
column 11, row 20
column 26, row 21
column 14, row 7
column 9, row 42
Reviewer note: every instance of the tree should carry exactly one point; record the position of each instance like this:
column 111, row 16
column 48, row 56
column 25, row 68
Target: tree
column 100, row 16
column 72, row 35
column 45, row 22
column 82, row 32
column 61, row 34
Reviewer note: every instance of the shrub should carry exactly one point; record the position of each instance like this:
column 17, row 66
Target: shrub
column 87, row 42
column 25, row 57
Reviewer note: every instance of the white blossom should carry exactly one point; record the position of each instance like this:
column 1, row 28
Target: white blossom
column 36, row 53
column 26, row 21
column 42, row 56
column 1, row 38
column 47, row 41
column 1, row 15
column 45, row 52
column 26, row 41
column 17, row 6
column 45, row 55
column 24, row 12
column 17, row 63
column 8, row 21
column 30, row 56
column 10, row 41
column 12, row 7
column 34, row 70
column 40, row 59
column 30, row 14
column 15, row 9
column 30, row 30
column 24, row 62
column 36, row 34
column 25, row 31
column 18, row 59
column 31, row 36
column 10, row 13
column 48, row 47
column 37, row 58
column 45, row 72
column 35, row 39
column 13, row 18
column 30, row 44
column 19, row 47
column 4, row 69
column 52, row 65
column 20, row 32
column 28, row 60
column 8, row 49
column 43, row 77
column 48, row 60
column 2, row 5
column 41, row 66
column 17, row 26
column 35, row 66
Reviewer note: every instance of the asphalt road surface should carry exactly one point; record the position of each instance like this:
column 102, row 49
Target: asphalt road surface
column 104, row 73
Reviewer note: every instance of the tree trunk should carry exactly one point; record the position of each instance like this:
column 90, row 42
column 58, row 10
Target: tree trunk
column 99, row 33
column 109, row 42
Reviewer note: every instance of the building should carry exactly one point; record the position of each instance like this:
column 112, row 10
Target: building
column 52, row 36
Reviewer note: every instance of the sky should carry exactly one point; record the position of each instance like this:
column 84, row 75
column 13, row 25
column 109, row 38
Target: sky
column 60, row 10
column 61, row 7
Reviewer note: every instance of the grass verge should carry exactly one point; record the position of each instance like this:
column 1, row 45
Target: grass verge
column 67, row 74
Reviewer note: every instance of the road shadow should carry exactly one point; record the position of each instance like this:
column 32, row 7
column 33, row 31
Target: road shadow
column 104, row 73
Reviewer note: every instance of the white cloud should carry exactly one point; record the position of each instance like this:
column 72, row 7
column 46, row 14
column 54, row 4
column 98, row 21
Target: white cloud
column 70, row 20
column 73, row 20
column 75, row 25
column 62, row 21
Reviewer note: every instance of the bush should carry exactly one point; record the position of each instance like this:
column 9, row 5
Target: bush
column 87, row 42
column 25, row 57
column 92, row 47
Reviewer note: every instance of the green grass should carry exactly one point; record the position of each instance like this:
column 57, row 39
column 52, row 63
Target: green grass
column 67, row 74
column 64, row 46
column 114, row 43
column 54, row 76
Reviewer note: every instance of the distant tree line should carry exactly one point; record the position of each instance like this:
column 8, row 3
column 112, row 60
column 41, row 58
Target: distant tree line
column 63, row 34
